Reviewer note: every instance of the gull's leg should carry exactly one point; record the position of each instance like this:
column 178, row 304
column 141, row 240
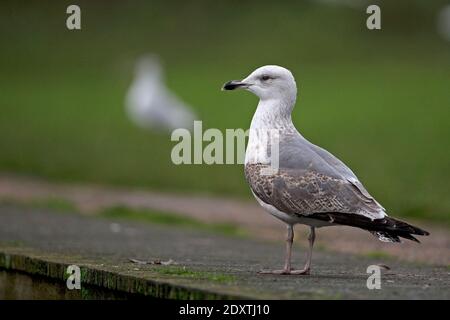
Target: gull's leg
column 306, row 269
column 289, row 241
column 287, row 261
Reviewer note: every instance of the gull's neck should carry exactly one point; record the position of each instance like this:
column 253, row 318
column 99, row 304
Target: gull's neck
column 271, row 117
column 273, row 114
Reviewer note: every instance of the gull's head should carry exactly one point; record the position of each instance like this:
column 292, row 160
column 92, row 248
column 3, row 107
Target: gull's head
column 268, row 82
column 149, row 65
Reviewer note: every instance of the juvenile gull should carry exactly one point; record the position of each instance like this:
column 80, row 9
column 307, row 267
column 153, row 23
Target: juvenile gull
column 311, row 186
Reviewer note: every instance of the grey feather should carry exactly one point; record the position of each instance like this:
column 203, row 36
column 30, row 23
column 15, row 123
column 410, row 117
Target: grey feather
column 311, row 180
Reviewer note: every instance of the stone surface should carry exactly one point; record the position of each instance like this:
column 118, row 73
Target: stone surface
column 207, row 265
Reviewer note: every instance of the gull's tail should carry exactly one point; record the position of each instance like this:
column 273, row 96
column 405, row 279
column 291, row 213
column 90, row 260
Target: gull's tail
column 393, row 229
column 387, row 229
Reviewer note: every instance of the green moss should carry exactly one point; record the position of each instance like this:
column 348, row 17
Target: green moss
column 61, row 205
column 107, row 284
column 377, row 255
column 165, row 218
column 52, row 203
column 13, row 243
column 183, row 272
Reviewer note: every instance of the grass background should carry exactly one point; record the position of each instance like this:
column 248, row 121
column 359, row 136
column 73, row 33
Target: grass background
column 379, row 100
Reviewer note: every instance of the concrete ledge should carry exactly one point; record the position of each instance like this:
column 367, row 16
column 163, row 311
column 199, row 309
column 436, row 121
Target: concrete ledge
column 97, row 276
column 43, row 243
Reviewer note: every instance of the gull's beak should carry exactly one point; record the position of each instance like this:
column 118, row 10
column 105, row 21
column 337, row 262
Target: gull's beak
column 235, row 84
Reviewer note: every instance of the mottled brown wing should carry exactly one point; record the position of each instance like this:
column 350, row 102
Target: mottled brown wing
column 305, row 192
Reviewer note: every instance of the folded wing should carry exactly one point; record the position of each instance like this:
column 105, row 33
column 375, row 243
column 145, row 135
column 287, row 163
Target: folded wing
column 311, row 180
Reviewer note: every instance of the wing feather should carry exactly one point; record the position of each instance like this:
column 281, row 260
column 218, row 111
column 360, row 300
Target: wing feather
column 303, row 193
column 311, row 180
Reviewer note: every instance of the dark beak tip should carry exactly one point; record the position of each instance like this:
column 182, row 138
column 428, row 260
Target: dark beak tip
column 234, row 84
column 230, row 85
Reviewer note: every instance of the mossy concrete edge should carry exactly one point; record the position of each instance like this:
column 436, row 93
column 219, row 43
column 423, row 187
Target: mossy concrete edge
column 18, row 261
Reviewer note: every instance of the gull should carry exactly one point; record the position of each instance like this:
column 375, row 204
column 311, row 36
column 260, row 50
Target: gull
column 150, row 104
column 310, row 186
column 443, row 22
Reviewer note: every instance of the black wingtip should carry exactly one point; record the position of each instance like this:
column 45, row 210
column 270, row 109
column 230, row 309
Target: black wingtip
column 420, row 232
column 405, row 227
column 409, row 237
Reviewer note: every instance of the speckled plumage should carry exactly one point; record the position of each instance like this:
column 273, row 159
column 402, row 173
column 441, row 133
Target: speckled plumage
column 309, row 186
column 303, row 192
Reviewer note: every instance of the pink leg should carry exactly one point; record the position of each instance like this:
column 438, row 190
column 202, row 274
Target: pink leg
column 287, row 261
column 287, row 264
column 307, row 268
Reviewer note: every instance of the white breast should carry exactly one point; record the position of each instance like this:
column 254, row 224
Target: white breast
column 257, row 147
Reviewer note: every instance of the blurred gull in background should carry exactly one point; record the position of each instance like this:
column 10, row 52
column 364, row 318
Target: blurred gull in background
column 150, row 104
column 443, row 22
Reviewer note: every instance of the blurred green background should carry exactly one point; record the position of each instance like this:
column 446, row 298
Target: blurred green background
column 379, row 100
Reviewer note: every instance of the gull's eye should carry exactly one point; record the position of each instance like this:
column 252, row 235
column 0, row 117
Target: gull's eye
column 265, row 77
